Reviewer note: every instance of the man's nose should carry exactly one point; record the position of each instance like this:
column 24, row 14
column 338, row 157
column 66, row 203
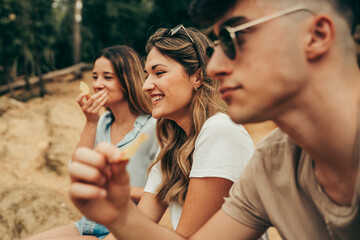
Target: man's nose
column 219, row 64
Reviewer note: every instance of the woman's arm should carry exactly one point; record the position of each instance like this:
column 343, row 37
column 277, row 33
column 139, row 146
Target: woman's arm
column 151, row 207
column 222, row 150
column 88, row 135
column 91, row 107
column 204, row 198
column 136, row 194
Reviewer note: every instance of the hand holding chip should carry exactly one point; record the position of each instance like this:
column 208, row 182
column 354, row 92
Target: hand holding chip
column 91, row 105
column 99, row 181
column 84, row 88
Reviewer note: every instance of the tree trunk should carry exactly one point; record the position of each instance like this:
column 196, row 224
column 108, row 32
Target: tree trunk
column 37, row 55
column 77, row 36
column 38, row 71
column 9, row 80
column 26, row 70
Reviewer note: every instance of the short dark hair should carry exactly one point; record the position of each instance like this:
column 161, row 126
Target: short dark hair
column 350, row 10
column 206, row 12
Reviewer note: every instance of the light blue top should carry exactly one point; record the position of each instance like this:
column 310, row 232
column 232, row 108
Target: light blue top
column 139, row 163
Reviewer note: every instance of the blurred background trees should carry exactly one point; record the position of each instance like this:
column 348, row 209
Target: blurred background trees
column 38, row 36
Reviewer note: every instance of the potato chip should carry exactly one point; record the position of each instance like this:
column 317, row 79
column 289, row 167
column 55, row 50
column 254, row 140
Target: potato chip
column 132, row 149
column 84, row 88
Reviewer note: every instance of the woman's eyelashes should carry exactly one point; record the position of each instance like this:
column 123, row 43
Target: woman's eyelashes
column 95, row 77
column 159, row 73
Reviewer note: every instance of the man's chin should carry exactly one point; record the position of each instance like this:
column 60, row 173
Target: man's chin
column 236, row 117
column 240, row 116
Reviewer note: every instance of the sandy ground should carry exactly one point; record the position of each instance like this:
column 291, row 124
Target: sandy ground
column 37, row 139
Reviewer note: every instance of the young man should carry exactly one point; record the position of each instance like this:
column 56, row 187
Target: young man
column 281, row 61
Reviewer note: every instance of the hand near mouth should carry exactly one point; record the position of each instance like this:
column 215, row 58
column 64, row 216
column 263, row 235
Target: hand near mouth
column 91, row 105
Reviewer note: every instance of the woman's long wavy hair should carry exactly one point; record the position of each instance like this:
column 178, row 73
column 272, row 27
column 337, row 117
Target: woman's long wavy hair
column 129, row 68
column 176, row 148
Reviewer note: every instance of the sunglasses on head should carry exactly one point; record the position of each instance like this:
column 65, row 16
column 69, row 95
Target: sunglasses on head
column 176, row 29
column 227, row 34
column 173, row 31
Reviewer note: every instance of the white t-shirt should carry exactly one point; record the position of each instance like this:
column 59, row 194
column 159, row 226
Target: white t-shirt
column 222, row 150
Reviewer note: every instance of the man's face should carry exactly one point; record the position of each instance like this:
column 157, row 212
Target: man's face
column 268, row 71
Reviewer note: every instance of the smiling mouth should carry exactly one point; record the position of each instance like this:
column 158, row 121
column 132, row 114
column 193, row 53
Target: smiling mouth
column 156, row 98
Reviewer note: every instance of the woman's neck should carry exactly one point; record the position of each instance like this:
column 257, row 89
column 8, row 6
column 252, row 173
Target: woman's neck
column 185, row 123
column 122, row 114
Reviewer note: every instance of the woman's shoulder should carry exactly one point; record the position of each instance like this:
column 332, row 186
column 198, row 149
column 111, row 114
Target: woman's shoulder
column 147, row 124
column 222, row 149
column 221, row 123
column 220, row 127
column 146, row 121
column 219, row 119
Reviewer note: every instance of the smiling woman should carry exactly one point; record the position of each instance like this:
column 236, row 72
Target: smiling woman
column 199, row 156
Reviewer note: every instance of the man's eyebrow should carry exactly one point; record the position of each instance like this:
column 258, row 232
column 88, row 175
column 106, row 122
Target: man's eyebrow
column 234, row 21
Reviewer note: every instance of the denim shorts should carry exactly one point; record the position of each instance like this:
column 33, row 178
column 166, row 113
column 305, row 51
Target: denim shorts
column 88, row 227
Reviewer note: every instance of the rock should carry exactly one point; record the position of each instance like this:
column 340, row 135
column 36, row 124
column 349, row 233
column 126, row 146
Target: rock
column 7, row 103
column 27, row 209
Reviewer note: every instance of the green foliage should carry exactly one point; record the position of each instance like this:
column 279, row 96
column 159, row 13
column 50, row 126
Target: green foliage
column 43, row 30
column 27, row 30
column 128, row 22
column 170, row 13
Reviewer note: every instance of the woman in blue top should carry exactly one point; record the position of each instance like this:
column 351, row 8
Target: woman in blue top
column 118, row 76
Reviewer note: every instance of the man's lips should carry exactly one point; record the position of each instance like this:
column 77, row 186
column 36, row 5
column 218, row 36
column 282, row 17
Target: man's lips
column 225, row 92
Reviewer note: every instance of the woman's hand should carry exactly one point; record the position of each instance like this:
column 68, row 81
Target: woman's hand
column 91, row 105
column 100, row 183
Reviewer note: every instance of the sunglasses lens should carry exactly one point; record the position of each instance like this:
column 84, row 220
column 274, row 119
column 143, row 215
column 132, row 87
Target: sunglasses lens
column 227, row 43
column 174, row 30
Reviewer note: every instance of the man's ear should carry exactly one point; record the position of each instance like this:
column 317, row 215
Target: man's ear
column 196, row 79
column 321, row 37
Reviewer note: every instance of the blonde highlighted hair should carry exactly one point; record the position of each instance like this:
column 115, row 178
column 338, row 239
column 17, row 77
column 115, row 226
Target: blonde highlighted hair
column 176, row 148
column 129, row 68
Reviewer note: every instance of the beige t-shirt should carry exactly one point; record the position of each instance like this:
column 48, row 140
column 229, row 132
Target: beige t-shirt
column 278, row 188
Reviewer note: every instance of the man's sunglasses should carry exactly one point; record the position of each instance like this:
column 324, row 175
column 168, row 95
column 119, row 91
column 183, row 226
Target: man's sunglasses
column 227, row 34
